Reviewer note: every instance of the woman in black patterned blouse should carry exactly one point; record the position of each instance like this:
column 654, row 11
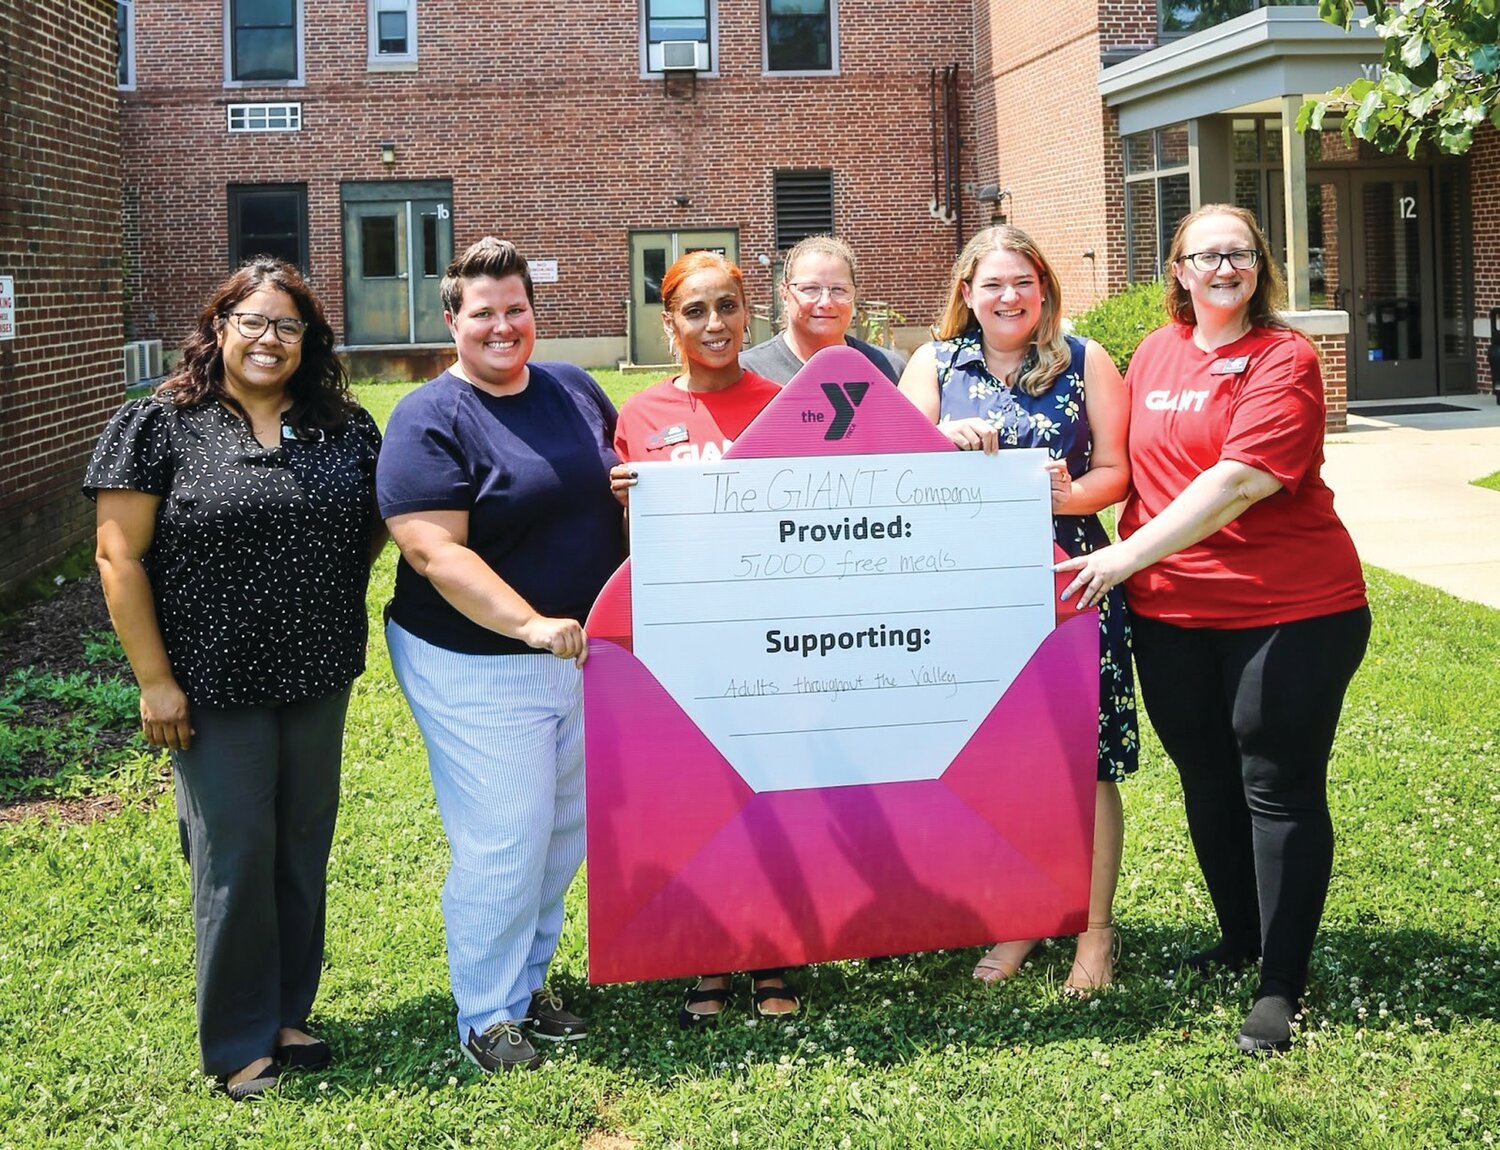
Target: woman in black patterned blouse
column 236, row 526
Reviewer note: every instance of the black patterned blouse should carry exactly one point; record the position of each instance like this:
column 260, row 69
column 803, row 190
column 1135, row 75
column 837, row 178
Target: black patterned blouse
column 260, row 559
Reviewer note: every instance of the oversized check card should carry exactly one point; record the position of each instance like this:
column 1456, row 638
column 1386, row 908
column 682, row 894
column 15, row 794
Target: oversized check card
column 841, row 620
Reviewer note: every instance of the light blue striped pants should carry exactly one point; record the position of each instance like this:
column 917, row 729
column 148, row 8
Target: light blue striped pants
column 504, row 737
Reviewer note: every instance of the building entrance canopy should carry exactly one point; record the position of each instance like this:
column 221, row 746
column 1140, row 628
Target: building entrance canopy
column 1243, row 64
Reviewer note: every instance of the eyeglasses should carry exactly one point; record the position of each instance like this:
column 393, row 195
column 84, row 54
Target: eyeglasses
column 809, row 292
column 252, row 325
column 1241, row 260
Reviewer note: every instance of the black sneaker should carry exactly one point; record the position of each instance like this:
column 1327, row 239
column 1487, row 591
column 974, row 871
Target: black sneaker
column 501, row 1047
column 549, row 1021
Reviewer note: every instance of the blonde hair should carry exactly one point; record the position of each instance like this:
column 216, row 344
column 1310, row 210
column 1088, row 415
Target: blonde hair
column 822, row 245
column 1269, row 297
column 1052, row 354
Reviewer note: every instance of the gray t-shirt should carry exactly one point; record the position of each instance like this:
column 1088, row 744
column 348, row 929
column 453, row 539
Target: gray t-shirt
column 775, row 360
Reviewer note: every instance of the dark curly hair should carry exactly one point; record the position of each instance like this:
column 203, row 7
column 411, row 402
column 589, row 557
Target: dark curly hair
column 320, row 386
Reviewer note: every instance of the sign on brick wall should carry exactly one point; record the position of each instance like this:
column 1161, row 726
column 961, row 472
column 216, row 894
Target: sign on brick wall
column 7, row 307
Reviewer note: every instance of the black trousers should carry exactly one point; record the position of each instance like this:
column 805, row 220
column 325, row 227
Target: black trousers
column 1248, row 717
column 257, row 796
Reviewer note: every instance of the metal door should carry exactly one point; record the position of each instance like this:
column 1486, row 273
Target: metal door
column 651, row 253
column 395, row 251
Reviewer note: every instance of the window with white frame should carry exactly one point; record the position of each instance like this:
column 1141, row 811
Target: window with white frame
column 262, row 42
column 801, row 35
column 678, row 22
column 264, row 117
column 393, row 32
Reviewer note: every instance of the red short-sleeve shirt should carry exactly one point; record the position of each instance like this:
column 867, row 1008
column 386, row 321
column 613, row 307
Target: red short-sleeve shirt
column 1259, row 401
column 666, row 423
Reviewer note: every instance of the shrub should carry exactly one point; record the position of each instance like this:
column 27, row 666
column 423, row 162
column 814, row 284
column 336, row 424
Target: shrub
column 1119, row 323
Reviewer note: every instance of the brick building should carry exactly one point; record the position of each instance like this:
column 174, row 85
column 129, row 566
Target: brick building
column 368, row 138
column 1150, row 109
column 60, row 318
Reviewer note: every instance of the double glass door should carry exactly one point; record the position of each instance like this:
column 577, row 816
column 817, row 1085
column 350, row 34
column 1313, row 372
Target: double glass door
column 1374, row 240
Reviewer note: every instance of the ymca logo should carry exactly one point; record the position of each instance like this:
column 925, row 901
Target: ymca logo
column 844, row 397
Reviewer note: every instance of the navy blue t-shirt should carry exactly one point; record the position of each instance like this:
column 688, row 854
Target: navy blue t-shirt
column 532, row 471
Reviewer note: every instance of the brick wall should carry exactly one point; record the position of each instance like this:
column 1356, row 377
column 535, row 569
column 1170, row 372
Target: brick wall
column 539, row 118
column 60, row 238
column 1484, row 185
column 1333, row 351
column 1054, row 145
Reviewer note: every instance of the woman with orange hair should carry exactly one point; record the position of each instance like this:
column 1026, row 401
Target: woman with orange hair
column 693, row 417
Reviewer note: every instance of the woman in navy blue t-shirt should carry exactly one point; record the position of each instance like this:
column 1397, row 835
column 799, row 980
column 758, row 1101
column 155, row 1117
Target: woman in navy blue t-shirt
column 495, row 485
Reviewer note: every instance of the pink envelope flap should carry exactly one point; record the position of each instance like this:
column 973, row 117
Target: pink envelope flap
column 982, row 851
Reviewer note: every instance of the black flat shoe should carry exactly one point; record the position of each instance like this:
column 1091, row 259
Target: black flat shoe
column 1268, row 1026
column 262, row 1083
column 1218, row 958
column 304, row 1056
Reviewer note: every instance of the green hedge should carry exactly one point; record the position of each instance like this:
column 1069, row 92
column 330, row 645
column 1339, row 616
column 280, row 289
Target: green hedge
column 1119, row 323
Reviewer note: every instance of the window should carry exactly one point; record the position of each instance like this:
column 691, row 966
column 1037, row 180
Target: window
column 268, row 220
column 664, row 21
column 801, row 35
column 1158, row 194
column 263, row 42
column 1183, row 17
column 125, row 42
column 804, row 205
column 264, row 117
column 393, row 32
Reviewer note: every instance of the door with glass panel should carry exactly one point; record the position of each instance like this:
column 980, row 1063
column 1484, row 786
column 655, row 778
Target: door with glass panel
column 1370, row 253
column 397, row 241
column 651, row 253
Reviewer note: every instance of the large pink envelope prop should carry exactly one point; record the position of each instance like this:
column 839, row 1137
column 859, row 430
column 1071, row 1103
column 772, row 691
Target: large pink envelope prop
column 692, row 870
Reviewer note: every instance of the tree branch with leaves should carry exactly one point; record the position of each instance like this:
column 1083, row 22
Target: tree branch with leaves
column 1439, row 78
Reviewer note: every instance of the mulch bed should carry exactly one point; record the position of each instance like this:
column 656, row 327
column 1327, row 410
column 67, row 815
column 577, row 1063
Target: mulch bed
column 48, row 637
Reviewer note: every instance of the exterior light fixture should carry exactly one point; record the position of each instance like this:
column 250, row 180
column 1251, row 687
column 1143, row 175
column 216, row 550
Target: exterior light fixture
column 388, row 154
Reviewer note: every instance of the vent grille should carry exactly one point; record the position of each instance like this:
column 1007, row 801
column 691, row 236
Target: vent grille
column 804, row 206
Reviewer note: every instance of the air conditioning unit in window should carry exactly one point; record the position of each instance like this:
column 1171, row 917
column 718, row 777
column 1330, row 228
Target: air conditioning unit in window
column 151, row 350
column 134, row 363
column 681, row 56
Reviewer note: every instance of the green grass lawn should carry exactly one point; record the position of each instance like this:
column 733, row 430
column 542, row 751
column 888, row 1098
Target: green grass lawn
column 1402, row 1046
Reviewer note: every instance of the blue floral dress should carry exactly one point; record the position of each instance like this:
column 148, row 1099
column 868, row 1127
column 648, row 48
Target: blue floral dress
column 1058, row 421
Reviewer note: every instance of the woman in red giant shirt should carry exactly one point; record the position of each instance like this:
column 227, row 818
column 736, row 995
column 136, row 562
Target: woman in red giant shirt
column 1247, row 596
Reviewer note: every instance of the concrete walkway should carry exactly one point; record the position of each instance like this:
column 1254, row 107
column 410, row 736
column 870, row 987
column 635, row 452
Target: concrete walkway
column 1401, row 484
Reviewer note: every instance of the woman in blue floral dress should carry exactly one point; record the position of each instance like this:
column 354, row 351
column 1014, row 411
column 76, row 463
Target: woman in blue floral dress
column 1002, row 374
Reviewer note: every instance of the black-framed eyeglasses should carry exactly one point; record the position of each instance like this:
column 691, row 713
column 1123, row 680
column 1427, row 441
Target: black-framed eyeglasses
column 252, row 325
column 1241, row 260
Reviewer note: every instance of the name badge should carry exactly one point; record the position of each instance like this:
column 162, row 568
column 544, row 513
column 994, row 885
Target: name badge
column 1235, row 366
column 669, row 436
